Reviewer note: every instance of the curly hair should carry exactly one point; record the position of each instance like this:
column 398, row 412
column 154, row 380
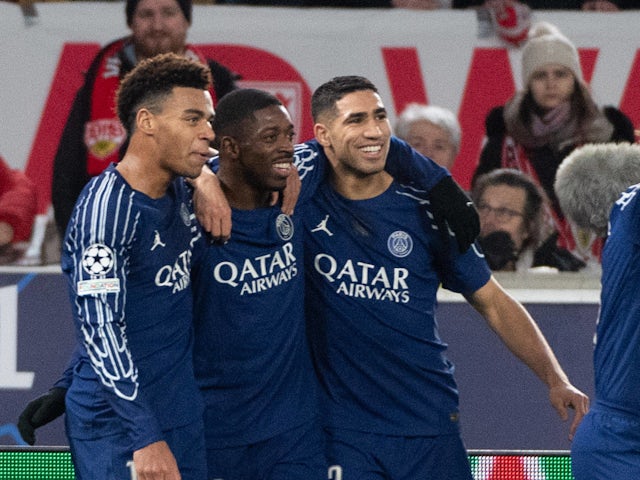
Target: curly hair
column 152, row 81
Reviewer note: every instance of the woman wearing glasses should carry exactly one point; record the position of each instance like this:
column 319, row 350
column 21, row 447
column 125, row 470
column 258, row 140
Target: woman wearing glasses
column 515, row 231
column 540, row 125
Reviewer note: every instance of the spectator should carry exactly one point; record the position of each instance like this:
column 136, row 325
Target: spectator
column 17, row 210
column 433, row 131
column 538, row 127
column 93, row 137
column 513, row 233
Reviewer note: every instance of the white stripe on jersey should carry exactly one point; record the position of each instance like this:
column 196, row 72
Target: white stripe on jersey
column 102, row 315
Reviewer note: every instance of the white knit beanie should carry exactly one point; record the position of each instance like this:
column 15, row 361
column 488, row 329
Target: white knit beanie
column 547, row 45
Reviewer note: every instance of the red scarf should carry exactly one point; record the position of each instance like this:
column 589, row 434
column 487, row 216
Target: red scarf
column 103, row 133
column 514, row 156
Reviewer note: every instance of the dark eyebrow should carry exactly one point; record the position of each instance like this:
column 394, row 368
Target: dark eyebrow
column 361, row 115
column 356, row 116
column 194, row 111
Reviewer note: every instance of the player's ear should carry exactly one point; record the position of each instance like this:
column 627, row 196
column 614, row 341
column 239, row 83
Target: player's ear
column 229, row 146
column 321, row 133
column 145, row 121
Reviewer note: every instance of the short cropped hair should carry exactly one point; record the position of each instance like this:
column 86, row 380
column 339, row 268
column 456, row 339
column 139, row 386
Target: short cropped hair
column 439, row 116
column 237, row 106
column 153, row 80
column 326, row 96
column 534, row 198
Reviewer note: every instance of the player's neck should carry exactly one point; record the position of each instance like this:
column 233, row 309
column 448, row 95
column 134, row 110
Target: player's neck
column 242, row 195
column 355, row 186
column 144, row 176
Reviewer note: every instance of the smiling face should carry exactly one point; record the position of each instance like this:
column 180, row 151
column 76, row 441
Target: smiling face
column 552, row 85
column 356, row 137
column 183, row 131
column 158, row 26
column 265, row 153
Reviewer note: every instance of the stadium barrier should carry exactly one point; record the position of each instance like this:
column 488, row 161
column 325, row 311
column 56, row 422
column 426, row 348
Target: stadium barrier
column 54, row 463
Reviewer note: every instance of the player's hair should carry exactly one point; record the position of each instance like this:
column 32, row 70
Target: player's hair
column 324, row 99
column 152, row 80
column 591, row 178
column 235, row 107
column 534, row 198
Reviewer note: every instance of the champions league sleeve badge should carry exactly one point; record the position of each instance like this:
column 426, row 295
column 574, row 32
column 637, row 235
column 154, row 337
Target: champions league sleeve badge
column 97, row 261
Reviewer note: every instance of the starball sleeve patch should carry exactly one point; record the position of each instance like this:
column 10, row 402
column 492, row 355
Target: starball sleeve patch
column 97, row 261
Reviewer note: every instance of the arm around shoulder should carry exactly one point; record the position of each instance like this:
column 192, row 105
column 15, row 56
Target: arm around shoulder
column 211, row 205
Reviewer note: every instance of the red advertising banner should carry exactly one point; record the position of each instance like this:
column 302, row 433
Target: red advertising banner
column 434, row 57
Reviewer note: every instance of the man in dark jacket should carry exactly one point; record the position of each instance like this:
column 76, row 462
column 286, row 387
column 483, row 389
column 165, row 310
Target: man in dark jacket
column 93, row 137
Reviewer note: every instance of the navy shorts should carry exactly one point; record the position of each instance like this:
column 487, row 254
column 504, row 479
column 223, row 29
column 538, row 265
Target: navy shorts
column 366, row 456
column 606, row 445
column 105, row 457
column 297, row 454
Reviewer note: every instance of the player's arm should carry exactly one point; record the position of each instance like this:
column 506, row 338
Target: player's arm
column 519, row 332
column 289, row 196
column 210, row 203
column 451, row 208
column 105, row 229
column 311, row 164
column 156, row 461
column 408, row 166
column 213, row 210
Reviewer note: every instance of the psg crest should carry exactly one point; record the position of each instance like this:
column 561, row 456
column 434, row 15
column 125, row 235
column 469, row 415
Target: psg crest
column 400, row 244
column 284, row 227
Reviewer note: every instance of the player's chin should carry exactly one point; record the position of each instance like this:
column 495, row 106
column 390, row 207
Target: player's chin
column 368, row 169
column 192, row 172
column 277, row 185
column 273, row 183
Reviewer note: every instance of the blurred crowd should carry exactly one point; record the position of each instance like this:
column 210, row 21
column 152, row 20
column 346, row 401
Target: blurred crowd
column 526, row 139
